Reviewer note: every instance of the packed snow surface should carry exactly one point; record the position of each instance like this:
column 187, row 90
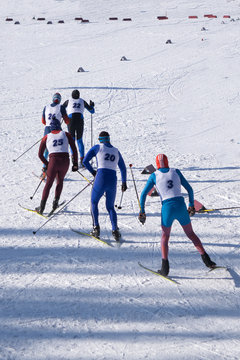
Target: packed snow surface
column 70, row 297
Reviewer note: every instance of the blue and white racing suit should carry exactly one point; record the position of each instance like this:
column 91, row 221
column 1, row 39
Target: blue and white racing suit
column 108, row 159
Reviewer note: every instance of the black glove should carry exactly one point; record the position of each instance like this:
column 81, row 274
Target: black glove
column 142, row 218
column 191, row 210
column 94, row 173
column 75, row 167
column 91, row 103
column 124, row 187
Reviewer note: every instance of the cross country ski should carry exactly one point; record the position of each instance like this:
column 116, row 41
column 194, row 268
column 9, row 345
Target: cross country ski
column 33, row 210
column 158, row 274
column 89, row 235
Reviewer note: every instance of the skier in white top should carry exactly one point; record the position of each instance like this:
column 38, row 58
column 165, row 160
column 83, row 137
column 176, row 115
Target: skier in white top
column 168, row 182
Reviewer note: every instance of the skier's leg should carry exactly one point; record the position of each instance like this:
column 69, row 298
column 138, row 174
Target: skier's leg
column 62, row 165
column 110, row 200
column 192, row 236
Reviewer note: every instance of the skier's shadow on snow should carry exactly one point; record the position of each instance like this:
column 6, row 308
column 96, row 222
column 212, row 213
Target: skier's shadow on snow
column 105, row 88
column 194, row 168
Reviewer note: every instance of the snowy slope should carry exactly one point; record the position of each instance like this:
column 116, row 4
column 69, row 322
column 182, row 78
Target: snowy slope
column 64, row 296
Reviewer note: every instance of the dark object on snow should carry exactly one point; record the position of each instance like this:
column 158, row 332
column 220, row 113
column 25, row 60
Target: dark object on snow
column 17, row 23
column 9, row 19
column 148, row 169
column 123, row 58
column 203, row 29
column 162, row 18
column 79, row 18
column 169, row 42
column 41, row 18
column 154, row 193
column 113, row 18
column 61, row 21
column 81, row 70
column 85, row 21
column 49, row 22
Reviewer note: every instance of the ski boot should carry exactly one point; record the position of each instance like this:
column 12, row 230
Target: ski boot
column 40, row 209
column 116, row 234
column 165, row 268
column 207, row 261
column 95, row 231
column 55, row 204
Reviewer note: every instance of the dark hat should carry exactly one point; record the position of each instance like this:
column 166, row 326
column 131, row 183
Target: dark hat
column 55, row 125
column 75, row 94
column 104, row 137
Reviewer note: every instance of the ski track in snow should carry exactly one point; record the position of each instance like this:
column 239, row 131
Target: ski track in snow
column 68, row 297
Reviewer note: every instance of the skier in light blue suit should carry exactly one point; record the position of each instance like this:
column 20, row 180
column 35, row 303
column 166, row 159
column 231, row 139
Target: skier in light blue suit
column 108, row 159
column 168, row 182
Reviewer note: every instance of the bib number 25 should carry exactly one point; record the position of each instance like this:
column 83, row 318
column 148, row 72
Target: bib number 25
column 58, row 142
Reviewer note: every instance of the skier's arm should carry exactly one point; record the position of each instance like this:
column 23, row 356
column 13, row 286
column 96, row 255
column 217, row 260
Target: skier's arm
column 42, row 147
column 43, row 116
column 150, row 183
column 64, row 115
column 186, row 186
column 122, row 167
column 90, row 107
column 88, row 157
column 65, row 104
column 73, row 147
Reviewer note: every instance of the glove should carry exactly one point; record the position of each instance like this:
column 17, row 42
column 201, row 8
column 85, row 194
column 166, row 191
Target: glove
column 92, row 104
column 94, row 173
column 142, row 218
column 44, row 169
column 191, row 210
column 75, row 167
column 124, row 187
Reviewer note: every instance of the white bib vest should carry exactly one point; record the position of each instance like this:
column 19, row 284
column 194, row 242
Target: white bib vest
column 75, row 106
column 168, row 184
column 52, row 112
column 107, row 157
column 57, row 143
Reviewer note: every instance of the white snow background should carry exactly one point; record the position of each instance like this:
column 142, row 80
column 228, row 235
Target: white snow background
column 63, row 296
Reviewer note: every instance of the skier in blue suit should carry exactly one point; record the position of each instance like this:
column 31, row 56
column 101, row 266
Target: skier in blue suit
column 108, row 158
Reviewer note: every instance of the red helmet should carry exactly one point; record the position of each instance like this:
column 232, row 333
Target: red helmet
column 161, row 161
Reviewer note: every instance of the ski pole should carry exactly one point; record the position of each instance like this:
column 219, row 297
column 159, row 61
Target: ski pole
column 91, row 130
column 27, row 150
column 225, row 208
column 83, row 176
column 31, row 197
column 120, row 205
column 134, row 183
column 34, row 232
